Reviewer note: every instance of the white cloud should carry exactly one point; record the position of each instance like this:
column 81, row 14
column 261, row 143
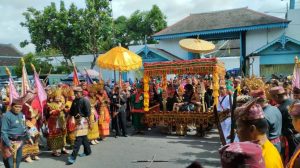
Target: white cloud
column 11, row 12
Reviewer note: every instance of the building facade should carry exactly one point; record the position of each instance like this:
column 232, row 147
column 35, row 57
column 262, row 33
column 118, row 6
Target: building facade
column 9, row 57
column 255, row 39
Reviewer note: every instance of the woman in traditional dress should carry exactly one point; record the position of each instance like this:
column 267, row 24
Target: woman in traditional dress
column 104, row 116
column 93, row 133
column 71, row 126
column 31, row 111
column 57, row 125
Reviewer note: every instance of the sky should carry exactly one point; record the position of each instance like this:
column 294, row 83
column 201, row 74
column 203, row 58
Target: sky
column 11, row 32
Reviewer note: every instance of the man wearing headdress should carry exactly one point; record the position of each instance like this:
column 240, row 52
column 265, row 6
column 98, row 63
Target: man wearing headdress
column 13, row 133
column 242, row 155
column 273, row 117
column 84, row 86
column 296, row 93
column 32, row 111
column 290, row 140
column 223, row 105
column 252, row 126
column 137, row 102
column 294, row 111
column 188, row 99
column 123, row 96
column 81, row 111
column 171, row 97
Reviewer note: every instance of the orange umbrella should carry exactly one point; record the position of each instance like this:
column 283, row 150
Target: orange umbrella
column 196, row 45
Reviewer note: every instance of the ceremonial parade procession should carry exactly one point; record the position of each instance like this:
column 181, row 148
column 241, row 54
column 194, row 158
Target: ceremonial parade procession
column 208, row 85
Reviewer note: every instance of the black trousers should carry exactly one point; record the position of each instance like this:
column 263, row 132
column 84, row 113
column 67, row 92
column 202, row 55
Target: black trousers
column 81, row 140
column 8, row 163
column 115, row 124
column 122, row 122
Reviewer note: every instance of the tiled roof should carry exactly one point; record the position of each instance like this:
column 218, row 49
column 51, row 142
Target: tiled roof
column 9, row 50
column 234, row 18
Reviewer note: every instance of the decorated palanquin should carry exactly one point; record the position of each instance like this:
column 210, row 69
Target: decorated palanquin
column 201, row 117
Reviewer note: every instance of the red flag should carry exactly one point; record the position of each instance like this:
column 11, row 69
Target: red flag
column 75, row 77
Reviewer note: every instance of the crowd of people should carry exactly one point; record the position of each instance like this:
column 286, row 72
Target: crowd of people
column 72, row 116
column 266, row 124
column 266, row 118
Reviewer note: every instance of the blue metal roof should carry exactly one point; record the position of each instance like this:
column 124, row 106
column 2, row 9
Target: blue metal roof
column 221, row 31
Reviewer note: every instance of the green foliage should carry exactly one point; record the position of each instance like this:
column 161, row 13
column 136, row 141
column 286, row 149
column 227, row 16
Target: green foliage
column 72, row 31
column 62, row 69
column 42, row 67
column 139, row 25
column 49, row 52
column 59, row 29
column 97, row 27
column 121, row 31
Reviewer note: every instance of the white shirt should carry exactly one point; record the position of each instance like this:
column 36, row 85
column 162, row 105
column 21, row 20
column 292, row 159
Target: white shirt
column 3, row 93
column 225, row 103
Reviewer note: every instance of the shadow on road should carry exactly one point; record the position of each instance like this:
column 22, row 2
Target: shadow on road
column 47, row 154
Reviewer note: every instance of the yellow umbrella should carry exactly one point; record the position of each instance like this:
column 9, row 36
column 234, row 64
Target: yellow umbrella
column 196, row 45
column 119, row 59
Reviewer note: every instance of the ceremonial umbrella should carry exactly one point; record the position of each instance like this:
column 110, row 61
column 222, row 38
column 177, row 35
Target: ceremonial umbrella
column 90, row 72
column 119, row 59
column 196, row 45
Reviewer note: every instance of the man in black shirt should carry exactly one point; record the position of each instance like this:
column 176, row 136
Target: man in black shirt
column 80, row 110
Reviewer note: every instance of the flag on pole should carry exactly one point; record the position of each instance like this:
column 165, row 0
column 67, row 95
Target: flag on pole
column 100, row 75
column 75, row 76
column 296, row 74
column 42, row 95
column 88, row 79
column 25, row 81
column 13, row 94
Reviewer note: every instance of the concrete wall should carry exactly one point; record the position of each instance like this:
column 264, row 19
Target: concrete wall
column 172, row 46
column 81, row 62
column 230, row 62
column 294, row 26
column 255, row 67
column 258, row 38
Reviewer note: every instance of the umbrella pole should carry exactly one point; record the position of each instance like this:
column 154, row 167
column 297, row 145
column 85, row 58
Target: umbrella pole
column 115, row 78
column 120, row 86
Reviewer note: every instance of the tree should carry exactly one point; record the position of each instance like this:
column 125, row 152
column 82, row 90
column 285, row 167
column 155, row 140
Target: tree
column 56, row 29
column 98, row 27
column 155, row 22
column 43, row 67
column 141, row 24
column 136, row 27
column 121, row 32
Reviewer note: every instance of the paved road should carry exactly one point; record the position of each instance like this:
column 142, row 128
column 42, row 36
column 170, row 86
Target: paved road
column 121, row 152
